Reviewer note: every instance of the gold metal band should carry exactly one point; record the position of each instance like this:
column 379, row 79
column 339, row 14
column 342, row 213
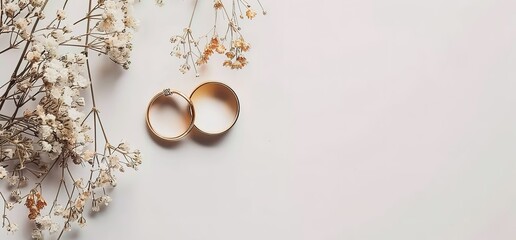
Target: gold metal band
column 165, row 93
column 215, row 88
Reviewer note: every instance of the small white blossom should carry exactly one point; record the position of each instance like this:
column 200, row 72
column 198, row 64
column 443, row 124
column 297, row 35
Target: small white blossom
column 11, row 9
column 45, row 146
column 124, row 147
column 23, row 3
column 55, row 71
column 3, row 172
column 9, row 206
column 12, row 228
column 114, row 161
column 67, row 96
column 37, row 3
column 21, row 23
column 49, row 44
column 80, row 101
column 46, row 223
column 105, row 200
column 119, row 47
column 112, row 18
column 74, row 114
column 59, row 210
column 37, row 234
column 45, row 131
column 16, row 194
column 184, row 68
column 88, row 155
column 82, row 222
column 13, row 180
column 58, row 35
column 61, row 14
column 81, row 81
column 33, row 56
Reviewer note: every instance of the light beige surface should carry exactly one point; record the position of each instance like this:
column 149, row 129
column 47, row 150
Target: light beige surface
column 361, row 120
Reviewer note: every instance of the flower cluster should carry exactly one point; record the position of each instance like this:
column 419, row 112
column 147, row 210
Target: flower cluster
column 58, row 113
column 116, row 28
column 231, row 44
column 46, row 124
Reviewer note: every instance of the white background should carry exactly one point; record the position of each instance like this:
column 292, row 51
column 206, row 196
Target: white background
column 361, row 119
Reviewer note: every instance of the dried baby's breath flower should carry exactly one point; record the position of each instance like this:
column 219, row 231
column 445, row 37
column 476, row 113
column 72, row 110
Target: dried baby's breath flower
column 48, row 132
column 218, row 4
column 61, row 15
column 3, row 173
column 250, row 13
column 12, row 228
column 187, row 46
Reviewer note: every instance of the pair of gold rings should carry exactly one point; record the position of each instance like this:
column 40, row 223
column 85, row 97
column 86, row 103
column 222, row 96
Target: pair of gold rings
column 208, row 90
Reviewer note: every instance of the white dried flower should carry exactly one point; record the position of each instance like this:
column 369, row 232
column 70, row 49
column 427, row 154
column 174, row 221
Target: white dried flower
column 119, row 47
column 33, row 56
column 184, row 68
column 16, row 194
column 67, row 29
column 9, row 206
column 59, row 210
column 58, row 35
column 80, row 101
column 45, row 131
column 45, row 146
column 105, row 200
column 3, row 172
column 12, row 228
column 82, row 222
column 88, row 155
column 112, row 18
column 46, row 223
column 55, row 71
column 11, row 9
column 13, row 180
column 104, row 179
column 74, row 114
column 37, row 234
column 81, row 81
column 21, row 23
column 37, row 3
column 114, row 162
column 23, row 3
column 61, row 14
column 124, row 147
column 49, row 44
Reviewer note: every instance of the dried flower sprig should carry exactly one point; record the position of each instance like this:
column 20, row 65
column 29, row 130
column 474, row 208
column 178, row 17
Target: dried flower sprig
column 44, row 117
column 229, row 42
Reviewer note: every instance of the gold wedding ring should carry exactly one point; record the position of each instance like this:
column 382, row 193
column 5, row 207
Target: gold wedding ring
column 167, row 93
column 221, row 92
column 217, row 90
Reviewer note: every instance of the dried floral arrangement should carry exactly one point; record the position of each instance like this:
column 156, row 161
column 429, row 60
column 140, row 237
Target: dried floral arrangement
column 46, row 125
column 50, row 125
column 225, row 37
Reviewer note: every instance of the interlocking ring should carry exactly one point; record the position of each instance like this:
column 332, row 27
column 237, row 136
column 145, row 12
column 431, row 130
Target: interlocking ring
column 222, row 92
column 216, row 90
column 167, row 93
